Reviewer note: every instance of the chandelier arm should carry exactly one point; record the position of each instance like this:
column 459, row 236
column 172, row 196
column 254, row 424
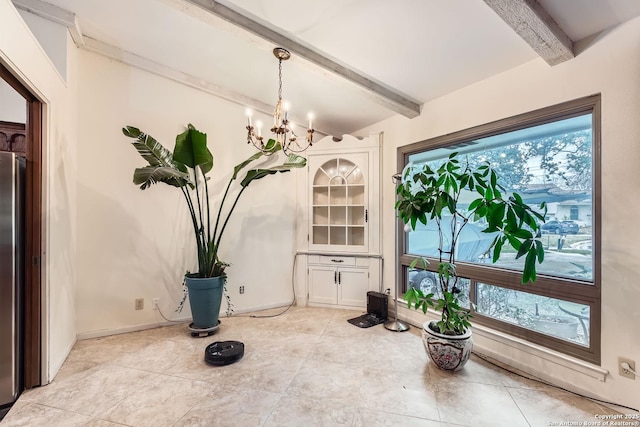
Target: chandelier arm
column 283, row 132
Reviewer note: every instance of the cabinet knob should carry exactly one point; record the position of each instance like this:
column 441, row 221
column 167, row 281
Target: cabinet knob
column 337, row 260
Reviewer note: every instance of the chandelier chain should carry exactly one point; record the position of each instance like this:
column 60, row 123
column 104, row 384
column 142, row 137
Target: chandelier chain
column 280, row 79
column 282, row 130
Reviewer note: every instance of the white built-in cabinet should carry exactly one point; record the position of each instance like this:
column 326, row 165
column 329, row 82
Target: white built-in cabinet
column 339, row 202
column 341, row 205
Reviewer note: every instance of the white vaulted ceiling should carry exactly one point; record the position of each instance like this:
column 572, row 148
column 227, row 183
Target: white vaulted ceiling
column 416, row 50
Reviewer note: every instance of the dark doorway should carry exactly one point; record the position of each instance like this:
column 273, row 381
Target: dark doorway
column 33, row 214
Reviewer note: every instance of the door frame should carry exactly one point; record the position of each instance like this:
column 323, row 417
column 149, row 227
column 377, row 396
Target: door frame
column 33, row 234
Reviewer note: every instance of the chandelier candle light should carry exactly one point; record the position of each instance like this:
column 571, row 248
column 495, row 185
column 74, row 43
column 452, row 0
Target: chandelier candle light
column 282, row 129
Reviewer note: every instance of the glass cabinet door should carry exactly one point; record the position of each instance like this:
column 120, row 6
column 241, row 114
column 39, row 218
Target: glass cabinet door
column 339, row 202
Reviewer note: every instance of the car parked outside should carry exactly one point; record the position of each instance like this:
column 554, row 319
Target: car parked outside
column 560, row 227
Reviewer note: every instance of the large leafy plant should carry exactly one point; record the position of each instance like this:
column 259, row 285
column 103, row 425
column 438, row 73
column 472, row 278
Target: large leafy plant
column 186, row 168
column 428, row 194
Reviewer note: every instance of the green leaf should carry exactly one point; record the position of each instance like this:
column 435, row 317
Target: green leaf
column 529, row 273
column 524, row 248
column 162, row 167
column 191, row 149
column 293, row 161
column 540, row 251
column 497, row 249
column 149, row 175
column 523, row 234
column 496, row 214
column 474, row 204
column 242, row 165
column 515, row 243
column 488, row 193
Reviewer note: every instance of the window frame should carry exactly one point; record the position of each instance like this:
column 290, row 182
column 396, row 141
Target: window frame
column 587, row 292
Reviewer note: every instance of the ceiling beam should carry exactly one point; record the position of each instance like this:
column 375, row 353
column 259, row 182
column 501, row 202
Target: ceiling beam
column 55, row 14
column 382, row 95
column 529, row 19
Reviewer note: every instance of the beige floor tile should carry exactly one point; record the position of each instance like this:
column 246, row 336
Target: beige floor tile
column 338, row 326
column 544, row 407
column 371, row 418
column 231, row 407
column 101, row 423
column 91, row 394
column 156, row 357
column 296, row 411
column 478, row 405
column 324, row 379
column 278, row 343
column 75, row 368
column 307, row 367
column 263, row 373
column 351, row 350
column 160, row 401
column 34, row 414
column 106, row 349
column 399, row 393
column 480, row 372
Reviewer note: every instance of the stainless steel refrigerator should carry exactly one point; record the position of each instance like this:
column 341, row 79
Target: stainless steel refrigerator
column 12, row 183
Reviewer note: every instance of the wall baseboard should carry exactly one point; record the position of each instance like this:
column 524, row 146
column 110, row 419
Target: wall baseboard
column 54, row 368
column 116, row 331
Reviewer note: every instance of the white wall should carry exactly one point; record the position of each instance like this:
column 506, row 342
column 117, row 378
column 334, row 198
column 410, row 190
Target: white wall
column 610, row 66
column 13, row 107
column 138, row 244
column 20, row 51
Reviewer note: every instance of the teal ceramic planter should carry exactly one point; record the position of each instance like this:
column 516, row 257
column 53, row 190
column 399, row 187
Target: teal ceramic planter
column 205, row 297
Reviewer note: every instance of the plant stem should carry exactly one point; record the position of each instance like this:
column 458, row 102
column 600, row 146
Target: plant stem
column 215, row 231
column 195, row 178
column 217, row 245
column 194, row 221
column 206, row 193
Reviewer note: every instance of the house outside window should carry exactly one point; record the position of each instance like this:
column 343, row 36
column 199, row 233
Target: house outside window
column 548, row 156
column 574, row 213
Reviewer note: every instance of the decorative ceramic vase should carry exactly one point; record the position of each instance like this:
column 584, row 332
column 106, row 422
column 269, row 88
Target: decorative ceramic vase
column 205, row 297
column 448, row 352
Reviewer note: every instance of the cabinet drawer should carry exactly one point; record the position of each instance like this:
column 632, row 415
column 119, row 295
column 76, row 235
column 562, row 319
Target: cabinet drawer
column 336, row 260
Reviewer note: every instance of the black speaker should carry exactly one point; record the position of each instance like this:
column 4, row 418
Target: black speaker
column 378, row 304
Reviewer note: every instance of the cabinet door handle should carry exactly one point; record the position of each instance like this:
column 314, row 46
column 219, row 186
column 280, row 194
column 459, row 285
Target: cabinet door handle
column 335, row 277
column 339, row 277
column 366, row 215
column 337, row 260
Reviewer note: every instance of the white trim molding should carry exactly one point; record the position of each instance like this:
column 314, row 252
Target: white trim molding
column 55, row 14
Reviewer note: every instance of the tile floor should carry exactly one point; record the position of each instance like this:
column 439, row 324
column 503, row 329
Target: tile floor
column 308, row 367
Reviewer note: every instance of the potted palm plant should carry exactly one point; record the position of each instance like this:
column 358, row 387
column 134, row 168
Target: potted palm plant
column 433, row 195
column 186, row 168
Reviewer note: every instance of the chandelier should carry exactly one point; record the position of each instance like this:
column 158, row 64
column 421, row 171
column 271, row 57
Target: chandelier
column 282, row 130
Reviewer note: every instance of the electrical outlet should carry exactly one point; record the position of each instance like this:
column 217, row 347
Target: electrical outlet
column 242, row 289
column 139, row 303
column 625, row 372
column 155, row 303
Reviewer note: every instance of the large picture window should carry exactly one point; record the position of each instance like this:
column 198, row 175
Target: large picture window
column 551, row 156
